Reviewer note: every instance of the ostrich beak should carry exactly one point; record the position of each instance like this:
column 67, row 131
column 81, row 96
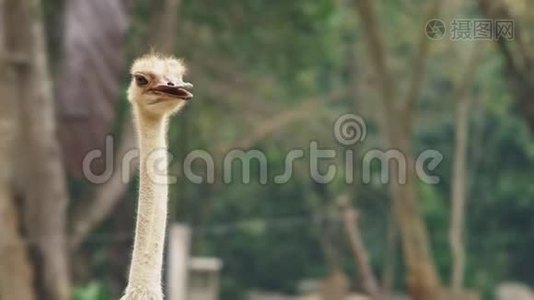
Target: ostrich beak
column 175, row 90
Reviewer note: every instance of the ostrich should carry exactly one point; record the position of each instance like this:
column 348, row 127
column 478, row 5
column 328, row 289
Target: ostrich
column 156, row 92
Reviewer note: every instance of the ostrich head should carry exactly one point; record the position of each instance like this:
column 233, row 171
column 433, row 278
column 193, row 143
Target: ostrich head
column 157, row 87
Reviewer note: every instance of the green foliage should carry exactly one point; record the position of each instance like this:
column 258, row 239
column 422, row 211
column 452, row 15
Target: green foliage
column 91, row 291
column 288, row 39
column 266, row 240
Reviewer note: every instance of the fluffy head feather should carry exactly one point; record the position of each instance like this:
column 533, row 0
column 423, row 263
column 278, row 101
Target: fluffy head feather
column 159, row 64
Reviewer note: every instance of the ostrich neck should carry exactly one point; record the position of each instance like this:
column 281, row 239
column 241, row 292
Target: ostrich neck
column 147, row 257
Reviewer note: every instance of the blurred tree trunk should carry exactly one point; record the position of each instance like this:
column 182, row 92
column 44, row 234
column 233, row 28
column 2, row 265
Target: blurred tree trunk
column 422, row 278
column 16, row 273
column 458, row 189
column 350, row 218
column 458, row 196
column 43, row 181
column 518, row 53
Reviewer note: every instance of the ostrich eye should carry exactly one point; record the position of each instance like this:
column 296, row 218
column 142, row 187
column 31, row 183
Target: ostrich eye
column 140, row 80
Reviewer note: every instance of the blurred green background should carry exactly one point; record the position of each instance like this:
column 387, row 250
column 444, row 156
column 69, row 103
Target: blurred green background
column 273, row 76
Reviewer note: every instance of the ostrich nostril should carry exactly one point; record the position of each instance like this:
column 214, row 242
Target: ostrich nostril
column 170, row 83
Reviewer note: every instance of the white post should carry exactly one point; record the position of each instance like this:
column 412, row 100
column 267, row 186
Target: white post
column 178, row 262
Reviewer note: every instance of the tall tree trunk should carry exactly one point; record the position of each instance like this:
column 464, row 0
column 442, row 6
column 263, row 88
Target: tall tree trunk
column 44, row 188
column 16, row 273
column 422, row 278
column 458, row 197
column 459, row 174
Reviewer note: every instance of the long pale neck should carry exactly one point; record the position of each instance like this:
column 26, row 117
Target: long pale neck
column 147, row 257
